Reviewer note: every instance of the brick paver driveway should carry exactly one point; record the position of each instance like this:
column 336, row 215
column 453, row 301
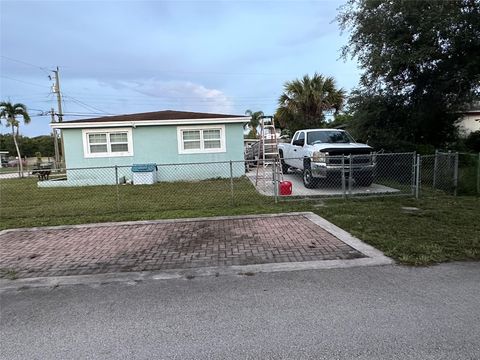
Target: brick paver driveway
column 167, row 245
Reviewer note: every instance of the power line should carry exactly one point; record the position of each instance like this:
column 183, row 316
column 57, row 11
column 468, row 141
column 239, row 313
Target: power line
column 30, row 95
column 199, row 103
column 48, row 113
column 63, row 103
column 91, row 114
column 86, row 106
column 25, row 63
column 179, row 101
column 189, row 103
column 186, row 100
column 89, row 95
column 22, row 81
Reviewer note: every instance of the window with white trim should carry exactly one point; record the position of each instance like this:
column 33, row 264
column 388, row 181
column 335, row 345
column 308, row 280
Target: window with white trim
column 197, row 139
column 98, row 143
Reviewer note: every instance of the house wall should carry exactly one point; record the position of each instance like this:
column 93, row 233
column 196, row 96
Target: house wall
column 153, row 144
column 469, row 123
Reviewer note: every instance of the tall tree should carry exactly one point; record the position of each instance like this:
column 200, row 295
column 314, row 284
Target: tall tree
column 305, row 101
column 10, row 112
column 381, row 121
column 422, row 54
column 255, row 117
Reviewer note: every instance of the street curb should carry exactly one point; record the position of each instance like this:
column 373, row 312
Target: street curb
column 348, row 239
column 374, row 258
column 134, row 277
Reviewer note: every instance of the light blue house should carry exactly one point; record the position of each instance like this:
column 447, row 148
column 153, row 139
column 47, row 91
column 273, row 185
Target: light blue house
column 115, row 143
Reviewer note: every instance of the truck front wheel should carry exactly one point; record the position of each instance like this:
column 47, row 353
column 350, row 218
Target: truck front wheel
column 308, row 180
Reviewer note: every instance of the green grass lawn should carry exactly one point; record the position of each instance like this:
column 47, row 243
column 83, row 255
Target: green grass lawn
column 445, row 228
column 4, row 170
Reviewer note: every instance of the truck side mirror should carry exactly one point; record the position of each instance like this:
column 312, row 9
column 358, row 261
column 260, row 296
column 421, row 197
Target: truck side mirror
column 299, row 142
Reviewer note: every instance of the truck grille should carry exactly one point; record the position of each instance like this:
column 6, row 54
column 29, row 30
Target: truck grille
column 356, row 156
column 355, row 159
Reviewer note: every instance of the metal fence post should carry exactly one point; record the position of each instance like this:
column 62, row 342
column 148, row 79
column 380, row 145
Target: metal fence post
column 116, row 185
column 231, row 183
column 455, row 174
column 435, row 168
column 274, row 178
column 414, row 172
column 451, row 172
column 478, row 174
column 343, row 177
column 417, row 179
column 350, row 172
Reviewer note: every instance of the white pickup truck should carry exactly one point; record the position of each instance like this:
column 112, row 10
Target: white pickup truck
column 327, row 154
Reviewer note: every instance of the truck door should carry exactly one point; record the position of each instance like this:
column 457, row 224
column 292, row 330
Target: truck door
column 297, row 150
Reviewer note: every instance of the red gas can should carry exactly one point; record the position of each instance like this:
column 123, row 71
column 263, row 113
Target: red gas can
column 285, row 188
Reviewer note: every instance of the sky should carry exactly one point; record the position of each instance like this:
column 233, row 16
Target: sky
column 120, row 57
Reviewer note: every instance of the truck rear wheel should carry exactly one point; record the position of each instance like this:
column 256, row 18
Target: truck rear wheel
column 364, row 180
column 285, row 167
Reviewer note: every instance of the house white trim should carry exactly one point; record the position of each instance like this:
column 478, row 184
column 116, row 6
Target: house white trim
column 109, row 153
column 134, row 123
column 202, row 150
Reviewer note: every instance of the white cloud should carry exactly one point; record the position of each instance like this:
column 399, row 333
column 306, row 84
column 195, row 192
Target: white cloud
column 181, row 95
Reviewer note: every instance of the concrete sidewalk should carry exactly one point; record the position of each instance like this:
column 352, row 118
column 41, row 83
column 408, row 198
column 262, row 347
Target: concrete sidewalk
column 177, row 244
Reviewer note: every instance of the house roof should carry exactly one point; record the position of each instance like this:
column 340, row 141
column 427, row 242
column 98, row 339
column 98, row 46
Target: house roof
column 473, row 108
column 165, row 117
column 471, row 112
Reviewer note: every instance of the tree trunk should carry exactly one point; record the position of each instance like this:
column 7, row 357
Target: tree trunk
column 20, row 163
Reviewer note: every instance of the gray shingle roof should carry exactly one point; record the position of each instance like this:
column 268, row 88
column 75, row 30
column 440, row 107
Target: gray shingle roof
column 156, row 115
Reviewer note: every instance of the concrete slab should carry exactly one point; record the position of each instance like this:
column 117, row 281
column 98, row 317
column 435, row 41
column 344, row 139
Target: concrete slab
column 264, row 185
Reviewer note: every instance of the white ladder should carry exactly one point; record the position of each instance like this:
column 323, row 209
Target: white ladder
column 269, row 151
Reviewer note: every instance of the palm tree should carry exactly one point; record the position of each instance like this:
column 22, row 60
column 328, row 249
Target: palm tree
column 304, row 102
column 255, row 118
column 10, row 112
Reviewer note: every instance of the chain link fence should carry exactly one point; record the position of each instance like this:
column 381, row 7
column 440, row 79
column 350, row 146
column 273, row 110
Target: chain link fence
column 468, row 174
column 337, row 176
column 129, row 189
column 451, row 172
column 208, row 186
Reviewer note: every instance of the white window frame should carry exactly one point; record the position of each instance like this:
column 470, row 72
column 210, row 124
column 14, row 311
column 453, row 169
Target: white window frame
column 202, row 150
column 109, row 153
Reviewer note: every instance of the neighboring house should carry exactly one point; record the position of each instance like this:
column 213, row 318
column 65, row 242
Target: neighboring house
column 3, row 158
column 163, row 137
column 470, row 120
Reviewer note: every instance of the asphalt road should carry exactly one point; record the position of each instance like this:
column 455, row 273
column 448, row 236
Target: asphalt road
column 388, row 312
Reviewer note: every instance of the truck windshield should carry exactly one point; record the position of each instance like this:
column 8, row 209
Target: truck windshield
column 316, row 137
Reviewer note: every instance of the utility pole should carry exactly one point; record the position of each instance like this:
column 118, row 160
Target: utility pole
column 55, row 139
column 56, row 90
